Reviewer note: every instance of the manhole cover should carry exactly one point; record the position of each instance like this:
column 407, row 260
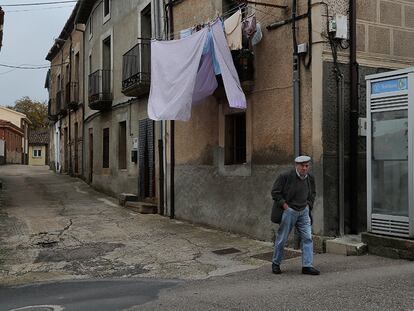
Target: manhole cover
column 39, row 308
column 226, row 251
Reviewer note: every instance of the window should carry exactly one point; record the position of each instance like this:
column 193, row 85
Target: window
column 122, row 140
column 90, row 27
column 37, row 153
column 235, row 139
column 106, row 10
column 105, row 148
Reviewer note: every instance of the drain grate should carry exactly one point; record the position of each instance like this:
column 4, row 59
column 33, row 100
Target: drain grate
column 287, row 254
column 226, row 251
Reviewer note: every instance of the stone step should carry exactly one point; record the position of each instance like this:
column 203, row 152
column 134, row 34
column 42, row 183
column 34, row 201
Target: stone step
column 125, row 197
column 348, row 245
column 387, row 246
column 142, row 207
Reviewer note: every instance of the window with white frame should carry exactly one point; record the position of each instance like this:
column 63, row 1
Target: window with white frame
column 106, row 10
column 37, row 153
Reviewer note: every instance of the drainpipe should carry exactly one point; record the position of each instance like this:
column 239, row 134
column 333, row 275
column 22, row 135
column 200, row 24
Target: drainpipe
column 296, row 84
column 354, row 114
column 161, row 179
column 70, row 84
column 341, row 161
column 172, row 123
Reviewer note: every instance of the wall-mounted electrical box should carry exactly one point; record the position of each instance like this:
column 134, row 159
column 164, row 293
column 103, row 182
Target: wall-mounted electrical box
column 362, row 126
column 303, row 48
column 339, row 26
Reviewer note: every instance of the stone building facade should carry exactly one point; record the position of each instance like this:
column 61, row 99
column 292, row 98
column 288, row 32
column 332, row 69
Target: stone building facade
column 235, row 195
column 120, row 141
column 66, row 104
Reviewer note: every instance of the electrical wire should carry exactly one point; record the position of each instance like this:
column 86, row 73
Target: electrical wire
column 38, row 3
column 33, row 10
column 31, row 67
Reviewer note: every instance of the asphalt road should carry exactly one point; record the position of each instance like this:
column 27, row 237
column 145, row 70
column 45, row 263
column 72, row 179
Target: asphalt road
column 102, row 295
column 64, row 246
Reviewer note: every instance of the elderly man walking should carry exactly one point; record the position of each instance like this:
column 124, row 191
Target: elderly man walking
column 293, row 194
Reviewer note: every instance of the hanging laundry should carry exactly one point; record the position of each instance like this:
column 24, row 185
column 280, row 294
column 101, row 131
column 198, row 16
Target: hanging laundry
column 186, row 32
column 174, row 66
column 181, row 75
column 233, row 29
column 249, row 26
column 258, row 35
column 206, row 82
column 234, row 92
column 209, row 48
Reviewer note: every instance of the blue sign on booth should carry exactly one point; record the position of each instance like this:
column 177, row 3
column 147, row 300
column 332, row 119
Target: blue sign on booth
column 394, row 85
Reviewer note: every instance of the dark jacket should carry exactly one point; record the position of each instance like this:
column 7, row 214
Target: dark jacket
column 282, row 192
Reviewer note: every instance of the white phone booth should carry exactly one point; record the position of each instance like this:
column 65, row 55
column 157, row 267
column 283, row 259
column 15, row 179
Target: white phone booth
column 390, row 129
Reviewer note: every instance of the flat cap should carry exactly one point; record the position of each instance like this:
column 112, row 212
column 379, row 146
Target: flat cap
column 302, row 159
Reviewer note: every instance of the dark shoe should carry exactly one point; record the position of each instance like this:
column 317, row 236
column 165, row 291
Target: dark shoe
column 310, row 271
column 276, row 269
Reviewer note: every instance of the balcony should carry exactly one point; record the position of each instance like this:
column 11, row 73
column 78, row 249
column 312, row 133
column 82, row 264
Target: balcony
column 60, row 105
column 72, row 95
column 136, row 70
column 99, row 93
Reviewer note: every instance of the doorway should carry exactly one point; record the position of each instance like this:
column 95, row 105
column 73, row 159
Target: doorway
column 146, row 160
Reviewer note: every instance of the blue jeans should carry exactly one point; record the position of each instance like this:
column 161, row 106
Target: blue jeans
column 301, row 220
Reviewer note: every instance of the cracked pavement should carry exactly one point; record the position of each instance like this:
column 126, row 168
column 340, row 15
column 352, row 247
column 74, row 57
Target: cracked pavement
column 55, row 227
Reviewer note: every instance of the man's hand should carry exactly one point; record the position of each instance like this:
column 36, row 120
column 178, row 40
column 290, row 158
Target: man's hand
column 285, row 206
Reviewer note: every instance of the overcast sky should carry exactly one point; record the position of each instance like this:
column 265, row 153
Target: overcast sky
column 27, row 37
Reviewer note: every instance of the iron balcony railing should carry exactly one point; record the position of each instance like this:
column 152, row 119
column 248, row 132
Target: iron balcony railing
column 136, row 69
column 100, row 87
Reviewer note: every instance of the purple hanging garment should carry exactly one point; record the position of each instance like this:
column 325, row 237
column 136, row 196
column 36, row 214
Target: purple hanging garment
column 206, row 81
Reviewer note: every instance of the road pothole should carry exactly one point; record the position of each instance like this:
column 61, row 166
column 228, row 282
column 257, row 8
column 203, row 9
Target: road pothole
column 81, row 253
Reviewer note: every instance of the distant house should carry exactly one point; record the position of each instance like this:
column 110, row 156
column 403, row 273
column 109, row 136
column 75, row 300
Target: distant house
column 38, row 147
column 12, row 138
column 21, row 121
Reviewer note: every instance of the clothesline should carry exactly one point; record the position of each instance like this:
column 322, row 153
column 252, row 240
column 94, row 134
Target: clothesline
column 228, row 12
column 183, row 73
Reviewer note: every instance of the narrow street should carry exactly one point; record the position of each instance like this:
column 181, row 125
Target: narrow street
column 54, row 227
column 65, row 246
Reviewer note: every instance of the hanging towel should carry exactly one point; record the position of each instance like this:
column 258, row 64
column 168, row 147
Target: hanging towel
column 209, row 48
column 174, row 67
column 233, row 29
column 234, row 92
column 257, row 37
column 249, row 26
column 186, row 32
